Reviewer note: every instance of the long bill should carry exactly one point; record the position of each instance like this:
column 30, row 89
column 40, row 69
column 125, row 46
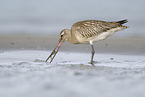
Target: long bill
column 54, row 52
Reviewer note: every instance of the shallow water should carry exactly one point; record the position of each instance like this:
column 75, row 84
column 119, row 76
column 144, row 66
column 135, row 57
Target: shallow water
column 51, row 16
column 23, row 73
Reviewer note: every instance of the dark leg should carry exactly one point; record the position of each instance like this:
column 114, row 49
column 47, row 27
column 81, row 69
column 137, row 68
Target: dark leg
column 93, row 52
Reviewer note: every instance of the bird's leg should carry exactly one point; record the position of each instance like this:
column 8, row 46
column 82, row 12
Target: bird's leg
column 93, row 52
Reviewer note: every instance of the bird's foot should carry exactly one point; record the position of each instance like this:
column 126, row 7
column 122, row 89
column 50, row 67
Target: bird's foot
column 93, row 62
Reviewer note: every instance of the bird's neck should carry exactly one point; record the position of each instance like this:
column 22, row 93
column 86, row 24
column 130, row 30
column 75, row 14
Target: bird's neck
column 71, row 38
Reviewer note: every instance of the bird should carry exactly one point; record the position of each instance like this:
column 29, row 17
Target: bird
column 88, row 32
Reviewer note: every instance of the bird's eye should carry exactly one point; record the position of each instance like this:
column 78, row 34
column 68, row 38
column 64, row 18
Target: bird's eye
column 61, row 34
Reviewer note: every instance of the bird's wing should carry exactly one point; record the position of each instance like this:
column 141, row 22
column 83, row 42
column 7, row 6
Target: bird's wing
column 90, row 28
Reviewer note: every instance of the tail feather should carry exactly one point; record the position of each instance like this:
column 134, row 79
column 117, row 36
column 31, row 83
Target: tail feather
column 122, row 21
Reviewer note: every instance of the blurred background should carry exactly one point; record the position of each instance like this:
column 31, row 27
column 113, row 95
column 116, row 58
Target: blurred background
column 51, row 16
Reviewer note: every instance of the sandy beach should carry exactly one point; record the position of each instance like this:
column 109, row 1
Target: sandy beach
column 29, row 31
column 119, row 69
column 48, row 42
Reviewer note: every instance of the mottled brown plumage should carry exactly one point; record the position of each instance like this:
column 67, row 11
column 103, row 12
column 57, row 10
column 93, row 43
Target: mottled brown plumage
column 91, row 28
column 88, row 31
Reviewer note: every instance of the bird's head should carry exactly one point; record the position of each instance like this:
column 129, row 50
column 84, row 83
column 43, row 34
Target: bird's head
column 64, row 34
column 63, row 37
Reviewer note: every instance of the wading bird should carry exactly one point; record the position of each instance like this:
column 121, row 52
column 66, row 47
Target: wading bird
column 87, row 32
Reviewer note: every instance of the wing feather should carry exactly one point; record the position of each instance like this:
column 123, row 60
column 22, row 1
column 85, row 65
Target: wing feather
column 89, row 28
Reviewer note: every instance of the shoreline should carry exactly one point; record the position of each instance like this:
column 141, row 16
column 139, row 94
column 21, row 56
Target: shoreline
column 42, row 42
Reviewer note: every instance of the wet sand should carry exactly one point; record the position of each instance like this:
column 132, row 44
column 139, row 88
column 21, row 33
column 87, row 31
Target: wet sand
column 48, row 42
column 119, row 69
column 24, row 73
